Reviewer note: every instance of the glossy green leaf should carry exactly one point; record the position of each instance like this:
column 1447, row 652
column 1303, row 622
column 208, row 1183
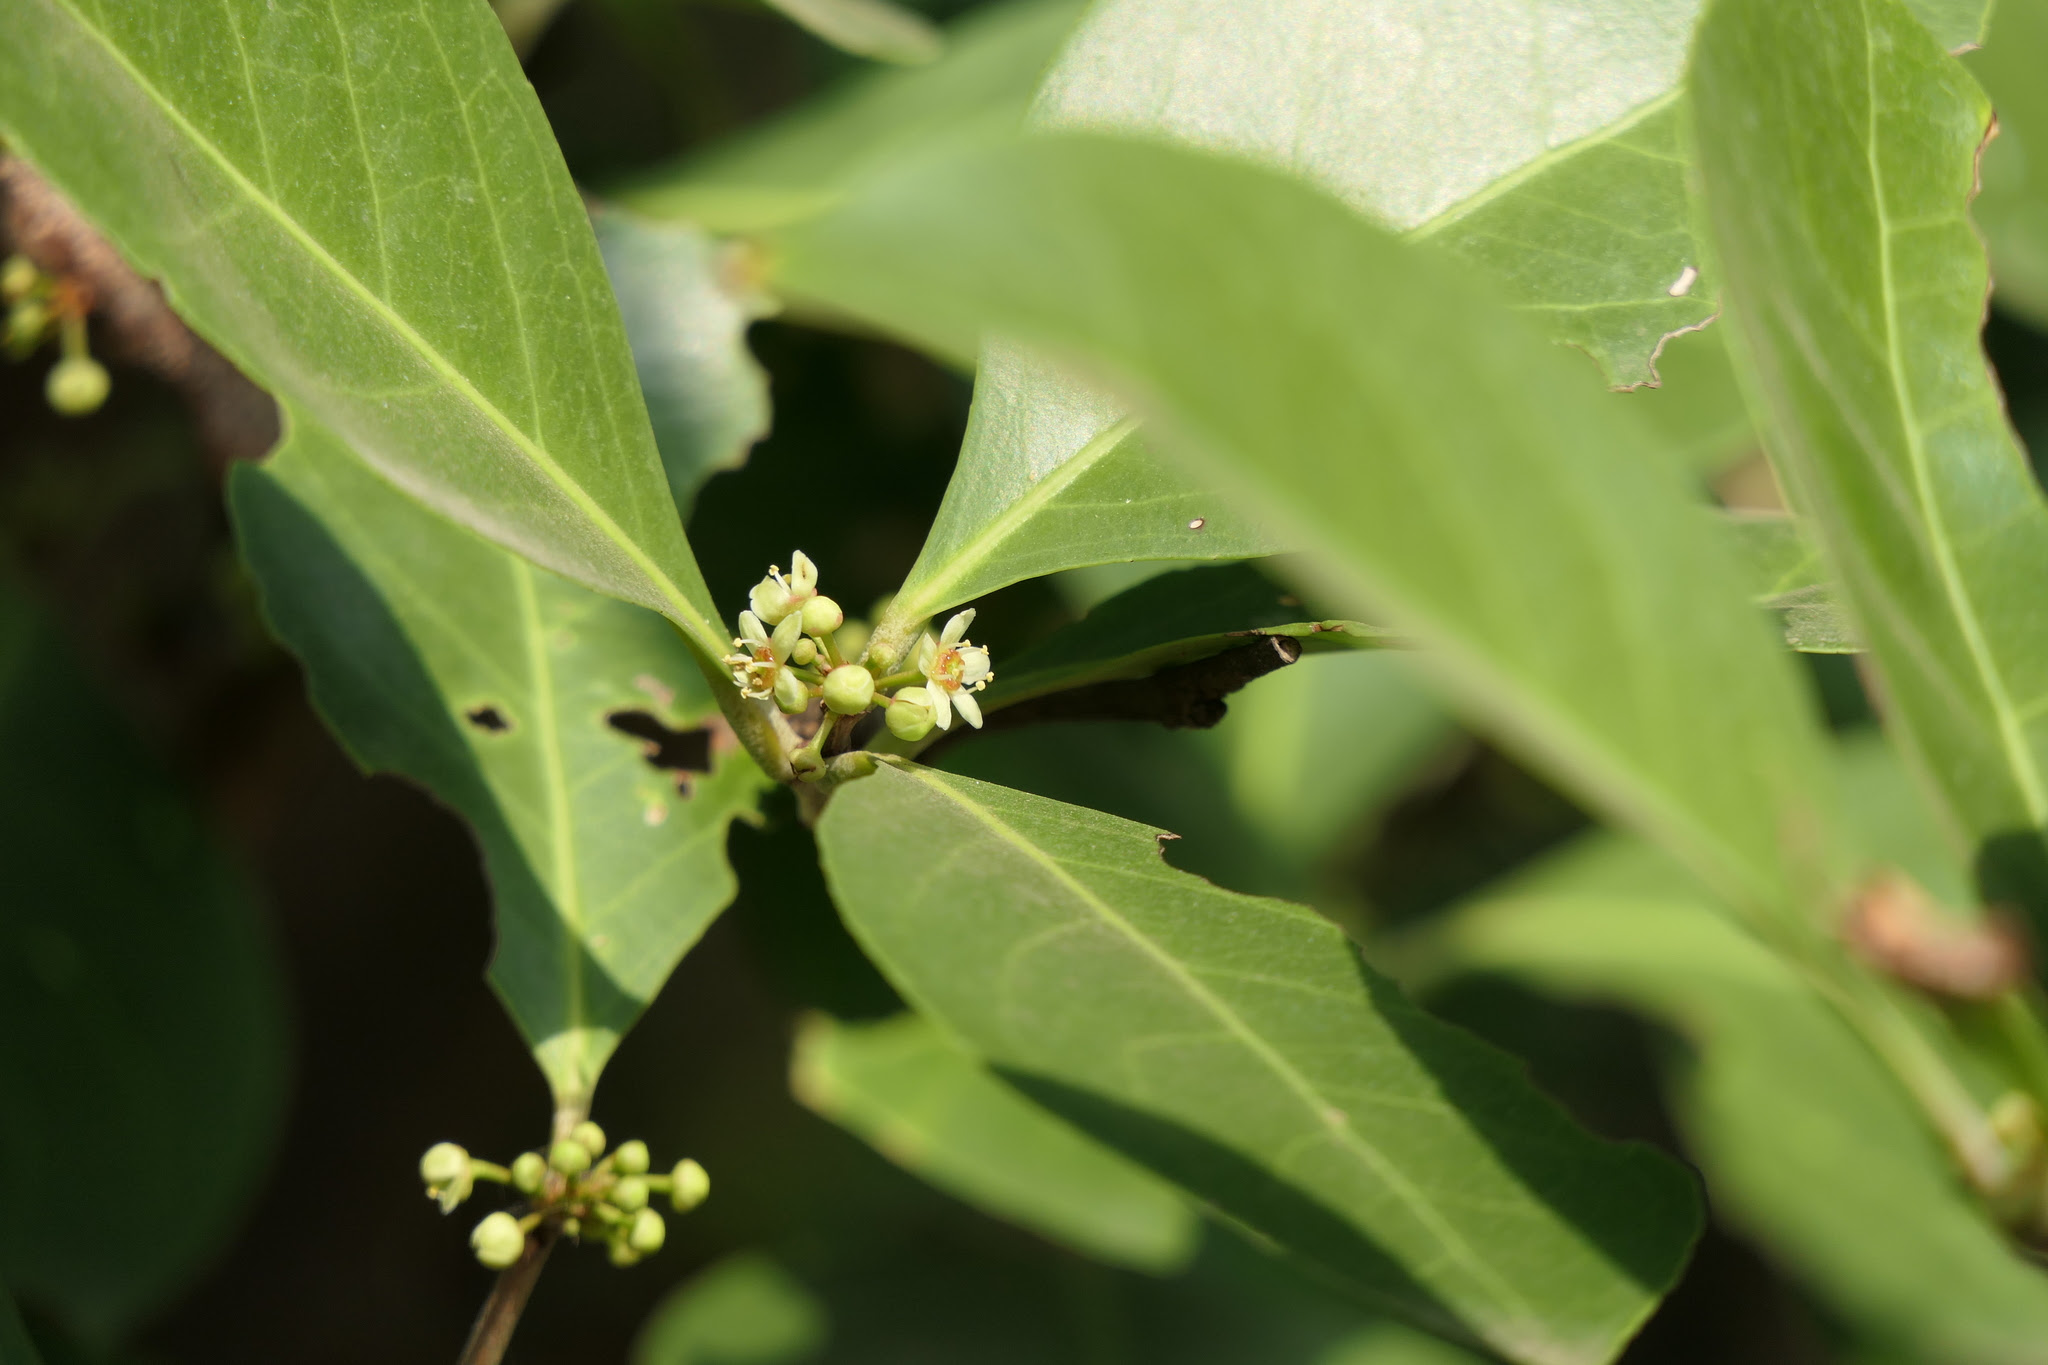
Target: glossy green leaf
column 1174, row 618
column 1698, row 407
column 864, row 1302
column 142, row 1026
column 1241, row 1048
column 937, row 1112
column 686, row 305
column 2012, row 209
column 363, row 207
column 1318, row 750
column 439, row 656
column 881, row 29
column 1859, row 286
column 745, row 1310
column 797, row 164
column 1808, row 1145
column 1508, row 519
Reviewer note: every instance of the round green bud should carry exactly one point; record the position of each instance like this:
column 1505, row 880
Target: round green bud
column 572, row 1227
column 631, row 1158
column 444, row 1164
column 629, row 1194
column 792, row 694
column 803, row 653
column 822, row 616
column 569, row 1156
column 849, row 689
column 498, row 1240
column 18, row 276
column 77, row 385
column 647, row 1233
column 623, row 1255
column 25, row 324
column 529, row 1172
column 689, row 1186
column 590, row 1137
column 910, row 714
column 808, row 764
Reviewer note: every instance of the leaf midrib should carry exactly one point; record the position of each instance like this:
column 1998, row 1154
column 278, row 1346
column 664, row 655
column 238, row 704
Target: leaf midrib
column 1318, row 1107
column 2011, row 735
column 685, row 612
column 931, row 596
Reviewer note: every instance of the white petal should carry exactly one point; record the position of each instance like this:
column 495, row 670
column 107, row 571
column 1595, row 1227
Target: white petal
column 786, row 636
column 970, row 709
column 751, row 629
column 927, row 653
column 956, row 629
column 803, row 575
column 973, row 666
column 942, row 710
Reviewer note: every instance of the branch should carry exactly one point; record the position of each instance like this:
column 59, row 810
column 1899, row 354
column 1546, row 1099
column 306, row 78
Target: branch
column 1184, row 697
column 236, row 420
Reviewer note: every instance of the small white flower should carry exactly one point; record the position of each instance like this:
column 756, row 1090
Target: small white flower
column 759, row 658
column 775, row 597
column 955, row 669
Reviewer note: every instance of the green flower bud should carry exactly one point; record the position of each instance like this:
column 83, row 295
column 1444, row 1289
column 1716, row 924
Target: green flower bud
column 849, row 689
column 910, row 714
column 689, row 1186
column 647, row 1233
column 498, row 1241
column 792, row 694
column 443, row 1163
column 590, row 1137
column 803, row 653
column 808, row 764
column 529, row 1172
column 629, row 1194
column 25, row 324
column 18, row 276
column 77, row 385
column 569, row 1156
column 631, row 1158
column 623, row 1255
column 572, row 1227
column 822, row 616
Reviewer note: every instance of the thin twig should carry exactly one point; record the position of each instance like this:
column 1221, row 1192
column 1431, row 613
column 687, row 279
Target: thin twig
column 500, row 1315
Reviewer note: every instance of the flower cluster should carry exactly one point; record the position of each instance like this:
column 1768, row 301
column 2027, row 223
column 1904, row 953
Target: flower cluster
column 37, row 305
column 789, row 651
column 575, row 1188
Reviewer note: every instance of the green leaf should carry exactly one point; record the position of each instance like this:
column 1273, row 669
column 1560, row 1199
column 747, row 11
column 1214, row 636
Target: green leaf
column 1174, row 618
column 1784, row 571
column 1241, row 1048
column 745, row 1310
column 1551, row 157
column 880, row 29
column 1698, row 407
column 797, row 164
column 363, row 207
column 439, row 656
column 864, row 1302
column 936, row 1112
column 142, row 1033
column 1317, row 750
column 2012, row 210
column 1859, row 283
column 1508, row 519
column 686, row 308
column 1808, row 1145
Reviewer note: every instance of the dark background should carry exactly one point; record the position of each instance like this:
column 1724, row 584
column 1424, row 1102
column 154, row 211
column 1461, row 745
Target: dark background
column 381, row 919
